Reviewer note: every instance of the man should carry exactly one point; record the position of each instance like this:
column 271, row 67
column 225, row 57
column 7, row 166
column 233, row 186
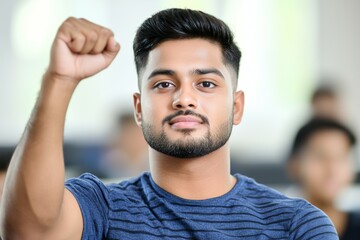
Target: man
column 187, row 67
column 323, row 166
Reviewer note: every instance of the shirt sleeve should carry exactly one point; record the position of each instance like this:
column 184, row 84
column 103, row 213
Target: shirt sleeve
column 310, row 222
column 92, row 197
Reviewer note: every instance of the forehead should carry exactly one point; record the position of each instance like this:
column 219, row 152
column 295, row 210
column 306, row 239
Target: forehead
column 329, row 137
column 184, row 55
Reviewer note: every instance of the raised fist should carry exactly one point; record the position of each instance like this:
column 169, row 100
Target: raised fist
column 81, row 49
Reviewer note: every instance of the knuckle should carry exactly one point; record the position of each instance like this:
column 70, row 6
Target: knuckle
column 106, row 32
column 92, row 36
column 80, row 38
column 70, row 19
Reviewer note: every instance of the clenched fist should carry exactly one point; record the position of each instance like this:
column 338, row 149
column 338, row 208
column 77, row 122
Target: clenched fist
column 81, row 49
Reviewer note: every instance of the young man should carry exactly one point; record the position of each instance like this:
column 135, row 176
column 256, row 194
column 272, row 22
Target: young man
column 323, row 166
column 187, row 67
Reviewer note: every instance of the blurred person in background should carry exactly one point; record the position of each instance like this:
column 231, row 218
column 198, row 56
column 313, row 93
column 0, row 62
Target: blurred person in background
column 322, row 164
column 326, row 102
column 126, row 154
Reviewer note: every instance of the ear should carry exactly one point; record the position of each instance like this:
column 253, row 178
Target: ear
column 137, row 108
column 239, row 100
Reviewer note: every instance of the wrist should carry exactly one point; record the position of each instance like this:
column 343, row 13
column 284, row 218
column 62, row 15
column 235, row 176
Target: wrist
column 61, row 83
column 56, row 91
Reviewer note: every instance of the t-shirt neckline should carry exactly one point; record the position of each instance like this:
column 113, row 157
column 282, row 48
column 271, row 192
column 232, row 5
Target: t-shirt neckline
column 173, row 198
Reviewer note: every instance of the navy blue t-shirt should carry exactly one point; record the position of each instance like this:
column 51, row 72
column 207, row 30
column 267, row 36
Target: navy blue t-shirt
column 139, row 209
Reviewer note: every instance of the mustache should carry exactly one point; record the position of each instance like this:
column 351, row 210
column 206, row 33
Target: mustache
column 185, row 113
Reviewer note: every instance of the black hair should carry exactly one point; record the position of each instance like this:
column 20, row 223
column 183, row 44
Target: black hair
column 5, row 157
column 175, row 23
column 324, row 91
column 316, row 125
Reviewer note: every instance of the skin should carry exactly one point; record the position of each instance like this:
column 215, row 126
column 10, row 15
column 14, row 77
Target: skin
column 324, row 170
column 189, row 91
column 328, row 107
column 2, row 179
column 36, row 205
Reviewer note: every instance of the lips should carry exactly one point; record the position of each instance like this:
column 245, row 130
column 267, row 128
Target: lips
column 185, row 122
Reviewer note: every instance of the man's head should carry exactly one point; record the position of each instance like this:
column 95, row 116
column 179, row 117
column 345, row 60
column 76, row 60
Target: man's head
column 187, row 67
column 325, row 103
column 322, row 159
column 176, row 24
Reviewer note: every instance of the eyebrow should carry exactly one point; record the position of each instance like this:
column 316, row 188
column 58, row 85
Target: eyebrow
column 208, row 71
column 166, row 72
column 198, row 71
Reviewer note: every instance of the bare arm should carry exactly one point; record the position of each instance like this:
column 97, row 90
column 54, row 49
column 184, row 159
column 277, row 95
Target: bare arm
column 35, row 203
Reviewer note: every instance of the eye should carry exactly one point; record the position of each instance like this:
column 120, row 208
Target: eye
column 163, row 85
column 207, row 84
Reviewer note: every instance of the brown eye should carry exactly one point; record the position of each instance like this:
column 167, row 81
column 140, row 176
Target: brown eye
column 207, row 84
column 163, row 85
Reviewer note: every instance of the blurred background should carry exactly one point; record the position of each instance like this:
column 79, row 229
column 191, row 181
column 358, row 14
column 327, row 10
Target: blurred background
column 290, row 48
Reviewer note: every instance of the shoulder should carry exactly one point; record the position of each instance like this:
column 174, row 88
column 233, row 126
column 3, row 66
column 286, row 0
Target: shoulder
column 303, row 220
column 88, row 185
column 310, row 222
column 257, row 193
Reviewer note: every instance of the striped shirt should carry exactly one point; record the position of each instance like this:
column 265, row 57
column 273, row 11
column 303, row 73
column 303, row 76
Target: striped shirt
column 139, row 209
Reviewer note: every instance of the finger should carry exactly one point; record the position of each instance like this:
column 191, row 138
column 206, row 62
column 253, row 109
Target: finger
column 71, row 35
column 77, row 42
column 112, row 45
column 103, row 36
column 90, row 31
column 112, row 49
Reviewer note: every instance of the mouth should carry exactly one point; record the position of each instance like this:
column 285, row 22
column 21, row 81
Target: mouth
column 185, row 122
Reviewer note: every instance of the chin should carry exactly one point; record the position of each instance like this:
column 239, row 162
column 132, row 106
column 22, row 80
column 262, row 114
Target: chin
column 190, row 132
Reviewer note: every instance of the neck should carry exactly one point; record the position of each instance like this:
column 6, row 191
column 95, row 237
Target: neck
column 195, row 178
column 326, row 206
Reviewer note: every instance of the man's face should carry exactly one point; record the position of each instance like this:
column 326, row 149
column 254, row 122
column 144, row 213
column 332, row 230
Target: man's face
column 326, row 167
column 187, row 105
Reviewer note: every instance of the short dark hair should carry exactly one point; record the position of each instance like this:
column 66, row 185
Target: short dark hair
column 316, row 125
column 327, row 91
column 175, row 23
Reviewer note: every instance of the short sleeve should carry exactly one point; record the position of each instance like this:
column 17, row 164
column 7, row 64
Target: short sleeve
column 310, row 222
column 92, row 197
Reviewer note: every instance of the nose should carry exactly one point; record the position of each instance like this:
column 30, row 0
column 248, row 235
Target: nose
column 185, row 98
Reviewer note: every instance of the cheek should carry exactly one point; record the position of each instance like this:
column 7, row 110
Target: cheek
column 345, row 173
column 217, row 108
column 155, row 108
column 310, row 172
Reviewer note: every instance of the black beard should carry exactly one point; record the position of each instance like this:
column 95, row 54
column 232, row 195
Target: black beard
column 191, row 147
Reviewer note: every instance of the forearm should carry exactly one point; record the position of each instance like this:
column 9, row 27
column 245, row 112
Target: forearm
column 34, row 186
